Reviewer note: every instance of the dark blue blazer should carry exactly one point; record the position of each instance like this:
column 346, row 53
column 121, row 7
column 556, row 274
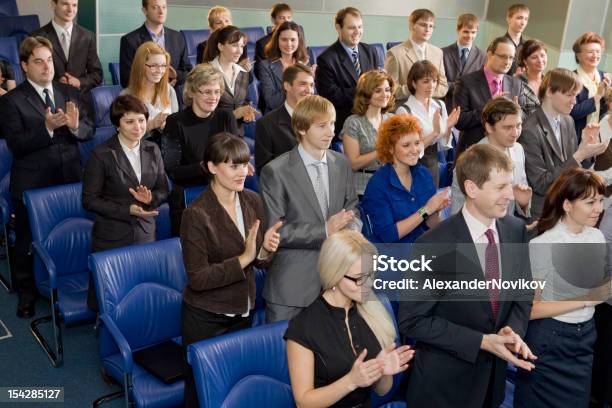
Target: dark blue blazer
column 584, row 107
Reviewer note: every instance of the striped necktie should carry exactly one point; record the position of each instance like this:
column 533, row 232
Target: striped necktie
column 355, row 58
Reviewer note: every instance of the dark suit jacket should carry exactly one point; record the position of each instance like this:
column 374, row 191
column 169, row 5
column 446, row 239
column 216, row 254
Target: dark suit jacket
column 38, row 159
column 584, row 107
column 452, row 67
column 271, row 92
column 175, row 46
column 273, row 136
column 472, row 94
column 230, row 101
column 449, row 368
column 336, row 78
column 260, row 46
column 106, row 183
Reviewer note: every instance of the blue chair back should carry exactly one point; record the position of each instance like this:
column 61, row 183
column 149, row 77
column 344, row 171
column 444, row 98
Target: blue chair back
column 162, row 223
column 10, row 52
column 314, row 52
column 103, row 96
column 101, row 135
column 253, row 33
column 18, row 26
column 380, row 50
column 193, row 60
column 392, row 44
column 6, row 161
column 190, row 194
column 251, row 51
column 243, row 369
column 115, row 71
column 193, row 38
column 8, row 8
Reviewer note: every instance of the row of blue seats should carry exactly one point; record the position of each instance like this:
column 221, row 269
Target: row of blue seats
column 8, row 8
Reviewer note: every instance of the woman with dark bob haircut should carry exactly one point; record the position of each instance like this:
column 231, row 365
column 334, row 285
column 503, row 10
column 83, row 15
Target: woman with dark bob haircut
column 124, row 181
column 562, row 332
column 222, row 236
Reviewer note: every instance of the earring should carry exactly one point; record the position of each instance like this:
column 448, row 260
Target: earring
column 334, row 288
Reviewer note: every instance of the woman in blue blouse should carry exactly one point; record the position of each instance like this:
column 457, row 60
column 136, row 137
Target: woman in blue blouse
column 400, row 200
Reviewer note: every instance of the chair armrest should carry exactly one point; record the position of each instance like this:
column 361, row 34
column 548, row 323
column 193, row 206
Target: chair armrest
column 124, row 347
column 46, row 259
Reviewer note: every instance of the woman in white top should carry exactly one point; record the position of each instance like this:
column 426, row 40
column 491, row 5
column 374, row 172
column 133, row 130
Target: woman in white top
column 501, row 119
column 561, row 332
column 423, row 79
column 149, row 83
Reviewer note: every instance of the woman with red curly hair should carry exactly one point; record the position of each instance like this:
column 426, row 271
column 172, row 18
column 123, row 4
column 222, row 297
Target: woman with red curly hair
column 400, row 200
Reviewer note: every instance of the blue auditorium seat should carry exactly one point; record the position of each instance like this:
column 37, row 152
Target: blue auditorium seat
column 18, row 26
column 380, row 50
column 162, row 222
column 8, row 8
column 9, row 51
column 6, row 161
column 139, row 291
column 243, row 369
column 253, row 33
column 101, row 135
column 314, row 52
column 190, row 194
column 193, row 38
column 61, row 240
column 392, row 44
column 113, row 68
column 103, row 96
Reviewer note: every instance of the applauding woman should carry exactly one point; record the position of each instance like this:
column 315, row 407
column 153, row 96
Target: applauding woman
column 342, row 346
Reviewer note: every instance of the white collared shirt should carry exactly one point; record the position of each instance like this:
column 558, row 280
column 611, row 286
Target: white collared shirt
column 230, row 82
column 425, row 117
column 289, row 108
column 59, row 30
column 133, row 156
column 557, row 132
column 477, row 232
column 40, row 91
column 312, row 171
column 420, row 50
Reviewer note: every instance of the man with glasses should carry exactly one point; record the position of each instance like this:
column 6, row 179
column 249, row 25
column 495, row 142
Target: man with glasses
column 400, row 58
column 474, row 90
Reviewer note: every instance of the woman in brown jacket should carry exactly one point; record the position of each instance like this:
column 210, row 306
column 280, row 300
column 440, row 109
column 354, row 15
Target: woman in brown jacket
column 221, row 239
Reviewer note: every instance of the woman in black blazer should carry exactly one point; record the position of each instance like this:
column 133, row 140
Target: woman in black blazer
column 124, row 180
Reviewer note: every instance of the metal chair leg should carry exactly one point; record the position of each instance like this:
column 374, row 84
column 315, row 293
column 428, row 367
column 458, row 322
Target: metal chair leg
column 55, row 355
column 107, row 398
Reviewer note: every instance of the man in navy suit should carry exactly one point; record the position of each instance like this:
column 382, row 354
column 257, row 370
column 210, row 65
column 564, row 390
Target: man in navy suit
column 464, row 338
column 42, row 125
column 341, row 64
column 153, row 30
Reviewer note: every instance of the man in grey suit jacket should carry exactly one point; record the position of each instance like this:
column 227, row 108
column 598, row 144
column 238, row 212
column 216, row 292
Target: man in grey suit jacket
column 311, row 189
column 549, row 136
column 462, row 57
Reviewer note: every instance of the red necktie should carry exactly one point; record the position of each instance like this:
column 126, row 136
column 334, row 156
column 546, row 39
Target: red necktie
column 492, row 270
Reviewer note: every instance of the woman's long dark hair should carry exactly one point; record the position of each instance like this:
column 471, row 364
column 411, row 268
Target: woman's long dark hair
column 272, row 49
column 573, row 184
column 226, row 35
column 224, row 147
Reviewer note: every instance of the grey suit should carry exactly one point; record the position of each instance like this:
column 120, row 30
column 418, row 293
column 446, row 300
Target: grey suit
column 293, row 278
column 452, row 67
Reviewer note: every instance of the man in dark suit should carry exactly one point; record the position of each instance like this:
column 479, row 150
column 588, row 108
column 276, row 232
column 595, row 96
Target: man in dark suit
column 474, row 90
column 273, row 133
column 280, row 13
column 75, row 57
column 341, row 64
column 462, row 57
column 464, row 338
column 42, row 125
column 517, row 18
column 153, row 30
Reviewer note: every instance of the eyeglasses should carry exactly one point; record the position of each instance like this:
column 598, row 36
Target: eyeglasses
column 209, row 93
column 360, row 280
column 504, row 57
column 156, row 67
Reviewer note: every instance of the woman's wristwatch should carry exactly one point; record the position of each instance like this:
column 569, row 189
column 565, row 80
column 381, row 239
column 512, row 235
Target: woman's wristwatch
column 423, row 213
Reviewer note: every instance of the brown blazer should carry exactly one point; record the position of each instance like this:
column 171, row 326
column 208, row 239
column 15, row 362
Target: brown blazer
column 211, row 245
column 230, row 101
column 400, row 59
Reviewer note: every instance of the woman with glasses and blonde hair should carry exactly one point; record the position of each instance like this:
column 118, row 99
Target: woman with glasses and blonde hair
column 352, row 350
column 187, row 132
column 149, row 83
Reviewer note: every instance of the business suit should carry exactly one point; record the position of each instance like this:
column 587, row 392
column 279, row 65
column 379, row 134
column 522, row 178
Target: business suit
column 260, row 48
column 452, row 67
column 271, row 84
column 471, row 94
column 229, row 100
column 545, row 160
column 39, row 160
column 287, row 191
column 174, row 45
column 273, row 136
column 449, row 368
column 402, row 57
column 336, row 79
column 584, row 107
column 106, row 183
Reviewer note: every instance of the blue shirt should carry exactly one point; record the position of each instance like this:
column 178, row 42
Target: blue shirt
column 386, row 202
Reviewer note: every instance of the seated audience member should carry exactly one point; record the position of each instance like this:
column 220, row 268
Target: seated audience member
column 42, row 124
column 328, row 367
column 7, row 77
column 273, row 133
column 342, row 63
column 590, row 103
column 549, row 136
column 149, row 83
column 373, row 102
column 517, row 18
column 462, row 56
column 223, row 51
column 474, row 90
column 222, row 237
column 532, row 60
column 311, row 188
column 501, row 119
column 465, row 338
column 284, row 49
column 400, row 58
column 436, row 124
column 75, row 56
column 400, row 199
column 153, row 29
column 220, row 17
column 124, row 182
column 187, row 133
column 279, row 14
column 562, row 329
